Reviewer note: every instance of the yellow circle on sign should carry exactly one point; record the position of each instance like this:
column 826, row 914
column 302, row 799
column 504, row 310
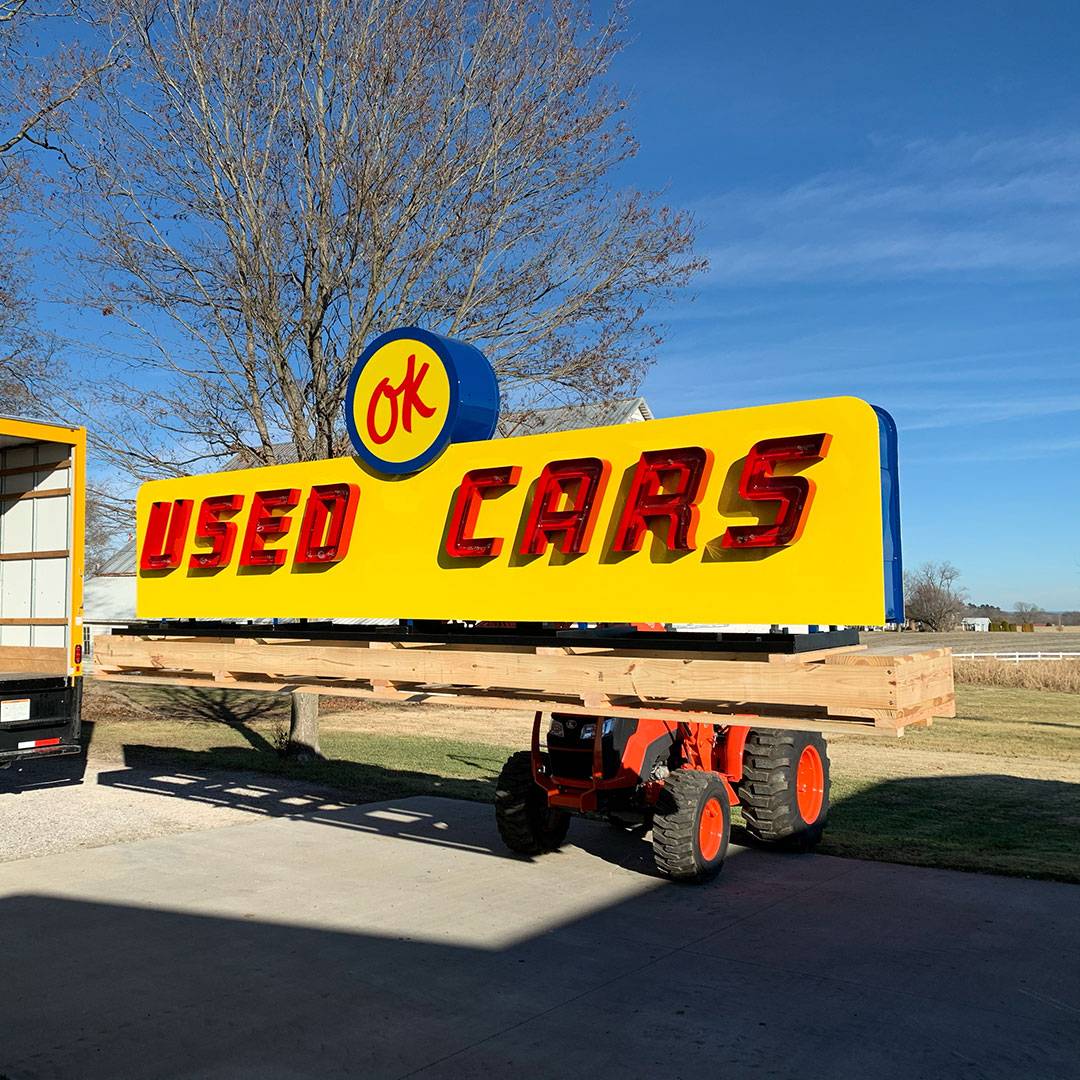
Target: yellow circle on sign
column 402, row 401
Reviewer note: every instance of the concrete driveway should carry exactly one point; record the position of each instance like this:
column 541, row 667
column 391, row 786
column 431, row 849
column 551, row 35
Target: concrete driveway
column 307, row 938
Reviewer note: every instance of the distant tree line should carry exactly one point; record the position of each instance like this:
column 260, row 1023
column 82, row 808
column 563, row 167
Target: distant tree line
column 934, row 599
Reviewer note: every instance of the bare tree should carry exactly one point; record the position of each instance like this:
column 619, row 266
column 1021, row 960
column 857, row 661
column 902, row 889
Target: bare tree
column 273, row 182
column 932, row 596
column 37, row 89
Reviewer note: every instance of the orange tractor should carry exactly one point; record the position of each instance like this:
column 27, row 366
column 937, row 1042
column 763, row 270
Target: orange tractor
column 681, row 778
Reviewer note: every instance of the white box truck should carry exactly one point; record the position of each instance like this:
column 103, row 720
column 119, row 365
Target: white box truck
column 42, row 521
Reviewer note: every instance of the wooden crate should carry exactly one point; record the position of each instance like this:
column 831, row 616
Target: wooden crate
column 841, row 689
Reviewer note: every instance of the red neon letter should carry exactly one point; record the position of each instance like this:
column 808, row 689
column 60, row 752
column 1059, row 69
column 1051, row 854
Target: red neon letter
column 221, row 534
column 166, row 531
column 685, row 472
column 792, row 493
column 587, row 477
column 326, row 529
column 408, row 390
column 264, row 525
column 475, row 486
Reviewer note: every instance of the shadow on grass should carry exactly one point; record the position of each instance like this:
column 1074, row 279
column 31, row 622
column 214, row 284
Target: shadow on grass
column 233, row 708
column 992, row 823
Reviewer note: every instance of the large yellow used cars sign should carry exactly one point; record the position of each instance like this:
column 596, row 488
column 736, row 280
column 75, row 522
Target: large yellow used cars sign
column 778, row 514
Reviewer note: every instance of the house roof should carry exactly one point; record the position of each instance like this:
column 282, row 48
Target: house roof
column 120, row 564
column 533, row 422
column 569, row 417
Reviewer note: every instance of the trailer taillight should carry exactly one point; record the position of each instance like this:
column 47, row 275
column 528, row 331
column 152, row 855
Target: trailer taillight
column 78, row 654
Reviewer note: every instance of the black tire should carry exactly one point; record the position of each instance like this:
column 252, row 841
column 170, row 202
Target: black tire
column 677, row 826
column 526, row 824
column 768, row 791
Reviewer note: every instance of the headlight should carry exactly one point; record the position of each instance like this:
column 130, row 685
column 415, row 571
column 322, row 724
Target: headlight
column 589, row 730
column 557, row 729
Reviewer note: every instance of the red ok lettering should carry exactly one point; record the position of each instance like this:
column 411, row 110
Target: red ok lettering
column 402, row 399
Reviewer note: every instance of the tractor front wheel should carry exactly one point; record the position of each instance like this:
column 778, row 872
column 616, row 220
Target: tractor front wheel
column 784, row 790
column 526, row 823
column 692, row 825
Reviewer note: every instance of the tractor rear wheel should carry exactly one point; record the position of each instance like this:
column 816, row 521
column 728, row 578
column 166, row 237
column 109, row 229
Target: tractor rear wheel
column 784, row 790
column 691, row 825
column 526, row 823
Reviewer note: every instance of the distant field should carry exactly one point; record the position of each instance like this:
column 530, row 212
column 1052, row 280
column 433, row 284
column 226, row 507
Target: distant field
column 997, row 789
column 1067, row 640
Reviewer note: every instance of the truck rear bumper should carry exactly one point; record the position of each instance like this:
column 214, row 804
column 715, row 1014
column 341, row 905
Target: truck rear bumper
column 7, row 757
column 39, row 717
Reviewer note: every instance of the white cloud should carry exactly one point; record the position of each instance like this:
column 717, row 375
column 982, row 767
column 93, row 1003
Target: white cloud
column 962, row 206
column 962, row 412
column 1003, row 450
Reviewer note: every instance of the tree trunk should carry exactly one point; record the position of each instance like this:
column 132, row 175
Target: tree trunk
column 304, row 727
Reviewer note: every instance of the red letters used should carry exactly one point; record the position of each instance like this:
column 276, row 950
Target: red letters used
column 325, row 530
column 265, row 525
column 221, row 534
column 792, row 493
column 684, row 472
column 166, row 531
column 327, row 527
column 475, row 486
column 582, row 480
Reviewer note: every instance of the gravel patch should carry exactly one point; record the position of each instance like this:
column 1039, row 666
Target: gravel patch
column 64, row 804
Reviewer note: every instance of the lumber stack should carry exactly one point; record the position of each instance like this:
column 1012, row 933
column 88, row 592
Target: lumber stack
column 834, row 690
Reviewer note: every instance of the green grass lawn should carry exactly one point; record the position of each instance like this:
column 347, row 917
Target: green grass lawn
column 974, row 806
column 997, row 789
column 1000, row 722
column 991, row 822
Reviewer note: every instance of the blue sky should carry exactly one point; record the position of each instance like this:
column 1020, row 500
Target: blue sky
column 889, row 195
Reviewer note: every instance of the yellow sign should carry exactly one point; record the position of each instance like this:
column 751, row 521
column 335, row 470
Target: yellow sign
column 777, row 514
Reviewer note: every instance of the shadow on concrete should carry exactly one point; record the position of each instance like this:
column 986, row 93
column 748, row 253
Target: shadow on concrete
column 262, row 794
column 1005, row 824
column 802, row 967
column 156, row 771
column 356, row 780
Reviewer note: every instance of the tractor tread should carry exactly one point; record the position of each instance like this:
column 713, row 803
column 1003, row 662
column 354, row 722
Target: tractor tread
column 674, row 837
column 525, row 823
column 767, row 789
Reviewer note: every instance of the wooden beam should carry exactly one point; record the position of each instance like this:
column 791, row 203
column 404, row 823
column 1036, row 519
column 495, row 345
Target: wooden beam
column 33, row 622
column 672, row 714
column 33, row 659
column 48, row 493
column 12, row 556
column 889, row 694
column 46, row 466
column 640, row 677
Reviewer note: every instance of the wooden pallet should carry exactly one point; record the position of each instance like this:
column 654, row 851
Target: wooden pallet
column 33, row 659
column 834, row 690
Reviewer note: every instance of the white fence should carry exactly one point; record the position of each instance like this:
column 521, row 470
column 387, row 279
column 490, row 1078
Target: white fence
column 1016, row 657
